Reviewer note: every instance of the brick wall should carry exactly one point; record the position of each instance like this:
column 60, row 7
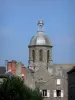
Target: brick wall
column 13, row 67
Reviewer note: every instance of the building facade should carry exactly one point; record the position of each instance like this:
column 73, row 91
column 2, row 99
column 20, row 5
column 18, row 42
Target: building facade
column 50, row 78
column 71, row 84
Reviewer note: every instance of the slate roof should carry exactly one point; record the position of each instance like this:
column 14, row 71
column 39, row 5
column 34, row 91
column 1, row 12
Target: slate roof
column 2, row 70
column 65, row 66
column 30, row 71
column 72, row 70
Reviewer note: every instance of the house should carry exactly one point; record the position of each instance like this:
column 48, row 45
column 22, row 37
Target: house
column 71, row 84
column 16, row 68
column 2, row 73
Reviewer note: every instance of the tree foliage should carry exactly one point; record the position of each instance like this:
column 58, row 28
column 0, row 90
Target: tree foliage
column 14, row 89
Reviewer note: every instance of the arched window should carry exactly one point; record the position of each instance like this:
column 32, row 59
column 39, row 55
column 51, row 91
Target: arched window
column 33, row 55
column 47, row 55
column 40, row 55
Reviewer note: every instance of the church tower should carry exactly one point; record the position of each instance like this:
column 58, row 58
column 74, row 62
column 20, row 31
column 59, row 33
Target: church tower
column 40, row 49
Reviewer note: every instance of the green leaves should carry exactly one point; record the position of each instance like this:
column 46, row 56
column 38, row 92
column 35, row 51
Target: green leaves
column 14, row 89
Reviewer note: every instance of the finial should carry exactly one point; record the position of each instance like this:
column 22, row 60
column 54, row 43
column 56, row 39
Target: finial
column 40, row 24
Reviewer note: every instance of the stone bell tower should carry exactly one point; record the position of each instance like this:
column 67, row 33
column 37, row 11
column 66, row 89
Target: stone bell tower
column 40, row 49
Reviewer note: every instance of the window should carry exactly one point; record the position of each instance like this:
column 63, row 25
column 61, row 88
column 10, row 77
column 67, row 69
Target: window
column 40, row 55
column 58, row 81
column 58, row 93
column 45, row 93
column 47, row 55
column 33, row 55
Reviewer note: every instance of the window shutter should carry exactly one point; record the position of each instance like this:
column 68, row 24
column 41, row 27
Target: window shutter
column 62, row 94
column 48, row 93
column 55, row 93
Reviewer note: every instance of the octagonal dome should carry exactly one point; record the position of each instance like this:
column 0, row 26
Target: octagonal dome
column 40, row 39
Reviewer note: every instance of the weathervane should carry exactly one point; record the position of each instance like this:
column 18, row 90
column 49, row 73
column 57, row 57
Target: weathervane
column 40, row 25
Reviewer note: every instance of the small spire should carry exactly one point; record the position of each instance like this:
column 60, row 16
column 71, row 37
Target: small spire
column 40, row 25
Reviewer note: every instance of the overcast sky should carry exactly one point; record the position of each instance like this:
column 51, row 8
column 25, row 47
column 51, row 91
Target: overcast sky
column 18, row 23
